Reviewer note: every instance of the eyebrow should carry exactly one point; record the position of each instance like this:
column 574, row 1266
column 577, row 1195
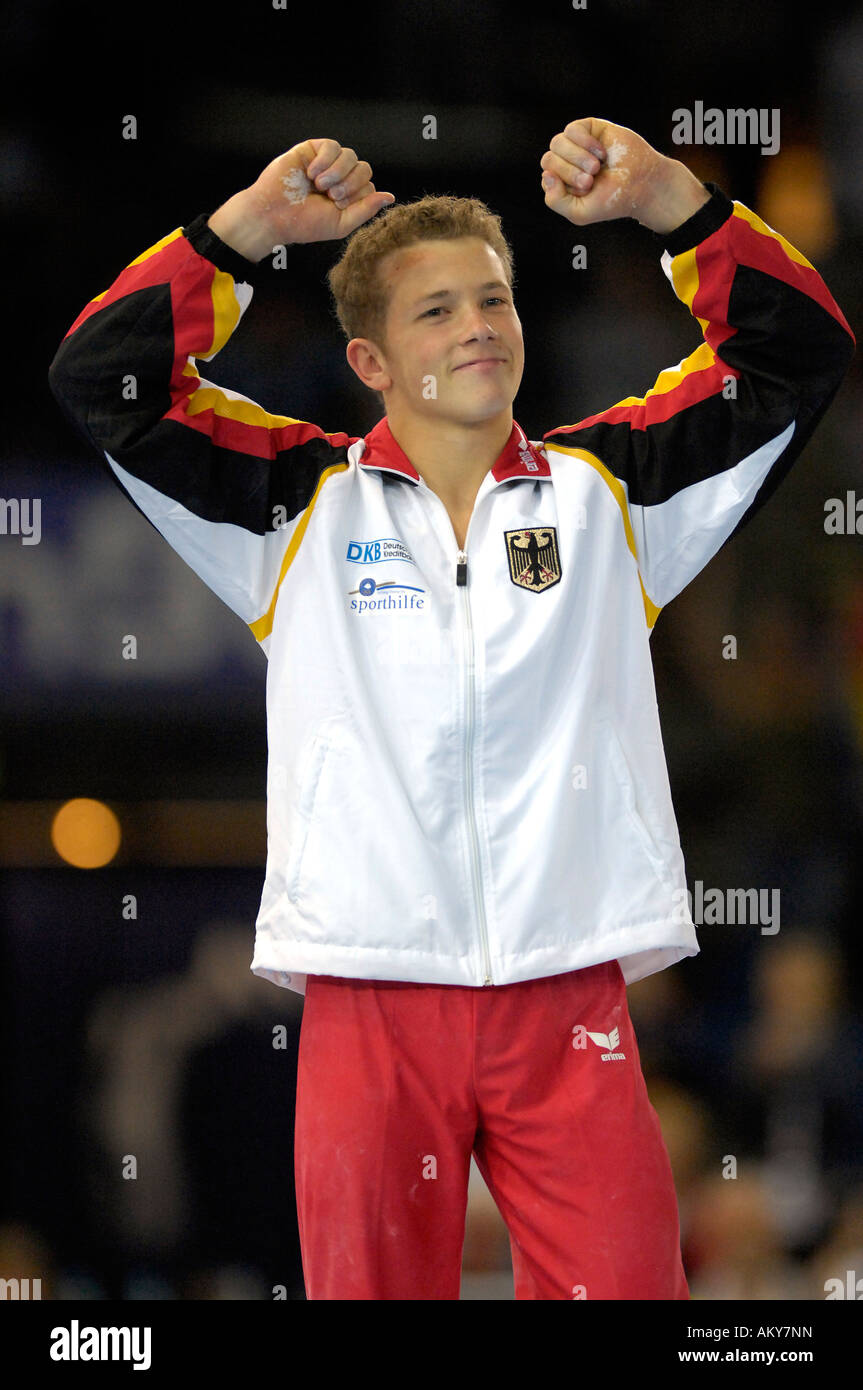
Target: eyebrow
column 444, row 294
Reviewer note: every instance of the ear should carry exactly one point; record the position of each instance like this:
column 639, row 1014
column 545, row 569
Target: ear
column 366, row 359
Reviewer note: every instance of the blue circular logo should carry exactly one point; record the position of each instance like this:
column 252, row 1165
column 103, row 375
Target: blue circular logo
column 367, row 586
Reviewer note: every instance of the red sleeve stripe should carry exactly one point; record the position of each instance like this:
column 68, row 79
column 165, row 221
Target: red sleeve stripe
column 153, row 267
column 757, row 245
column 245, row 428
column 694, row 386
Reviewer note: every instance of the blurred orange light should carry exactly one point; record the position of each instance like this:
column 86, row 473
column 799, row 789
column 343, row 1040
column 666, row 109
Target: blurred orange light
column 85, row 833
column 795, row 199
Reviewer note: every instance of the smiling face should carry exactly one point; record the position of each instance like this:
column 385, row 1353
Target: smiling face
column 449, row 305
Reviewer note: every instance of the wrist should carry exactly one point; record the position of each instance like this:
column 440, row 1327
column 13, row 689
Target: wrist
column 672, row 197
column 241, row 224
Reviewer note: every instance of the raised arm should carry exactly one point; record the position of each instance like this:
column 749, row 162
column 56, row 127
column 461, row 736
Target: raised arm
column 706, row 446
column 225, row 482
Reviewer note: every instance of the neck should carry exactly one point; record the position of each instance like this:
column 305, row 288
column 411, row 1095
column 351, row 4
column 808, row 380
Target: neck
column 451, row 457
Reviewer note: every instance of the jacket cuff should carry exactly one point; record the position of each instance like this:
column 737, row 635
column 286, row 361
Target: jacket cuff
column 703, row 223
column 222, row 256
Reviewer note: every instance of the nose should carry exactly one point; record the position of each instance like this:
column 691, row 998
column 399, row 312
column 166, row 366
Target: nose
column 478, row 325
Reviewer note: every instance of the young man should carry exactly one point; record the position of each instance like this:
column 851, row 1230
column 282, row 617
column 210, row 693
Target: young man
column 472, row 847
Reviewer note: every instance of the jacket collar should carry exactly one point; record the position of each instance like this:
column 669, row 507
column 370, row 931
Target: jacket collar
column 517, row 459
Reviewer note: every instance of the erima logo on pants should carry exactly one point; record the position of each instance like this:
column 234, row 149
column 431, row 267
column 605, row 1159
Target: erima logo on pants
column 607, row 1041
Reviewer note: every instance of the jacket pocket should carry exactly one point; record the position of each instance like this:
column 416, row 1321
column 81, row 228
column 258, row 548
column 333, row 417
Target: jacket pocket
column 311, row 775
column 624, row 778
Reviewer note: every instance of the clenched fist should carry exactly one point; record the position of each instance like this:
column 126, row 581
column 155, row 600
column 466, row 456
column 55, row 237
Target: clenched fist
column 316, row 191
column 600, row 171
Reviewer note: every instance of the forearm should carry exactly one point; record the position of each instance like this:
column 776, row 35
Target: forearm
column 671, row 197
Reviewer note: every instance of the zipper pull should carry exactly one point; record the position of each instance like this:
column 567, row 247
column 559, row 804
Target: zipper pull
column 461, row 568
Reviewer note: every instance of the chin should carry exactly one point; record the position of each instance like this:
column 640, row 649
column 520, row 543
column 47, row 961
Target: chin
column 485, row 399
column 480, row 413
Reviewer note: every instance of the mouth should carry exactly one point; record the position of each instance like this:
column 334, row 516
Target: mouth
column 483, row 364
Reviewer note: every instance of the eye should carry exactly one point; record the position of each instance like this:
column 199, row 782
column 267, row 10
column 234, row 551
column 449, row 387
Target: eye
column 496, row 297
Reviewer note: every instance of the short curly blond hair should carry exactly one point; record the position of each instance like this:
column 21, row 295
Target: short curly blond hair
column 361, row 298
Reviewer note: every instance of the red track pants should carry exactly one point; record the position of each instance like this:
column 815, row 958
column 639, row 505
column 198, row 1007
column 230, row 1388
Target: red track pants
column 398, row 1083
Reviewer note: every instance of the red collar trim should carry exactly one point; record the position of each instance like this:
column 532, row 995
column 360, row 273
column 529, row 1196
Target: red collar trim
column 517, row 459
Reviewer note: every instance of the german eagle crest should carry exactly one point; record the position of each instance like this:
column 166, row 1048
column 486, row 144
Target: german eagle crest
column 534, row 561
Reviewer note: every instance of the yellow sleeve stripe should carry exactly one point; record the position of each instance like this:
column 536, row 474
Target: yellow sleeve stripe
column 226, row 316
column 144, row 256
column 226, row 311
column 244, row 411
column 615, row 487
column 755, row 221
column 247, row 412
column 684, row 274
column 151, row 251
column 263, row 626
column 684, row 268
column 669, row 379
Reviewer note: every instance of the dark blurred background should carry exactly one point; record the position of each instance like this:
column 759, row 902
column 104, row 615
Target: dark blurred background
column 132, row 1031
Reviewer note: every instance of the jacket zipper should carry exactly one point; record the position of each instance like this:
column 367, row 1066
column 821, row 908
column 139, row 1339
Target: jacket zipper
column 461, row 582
